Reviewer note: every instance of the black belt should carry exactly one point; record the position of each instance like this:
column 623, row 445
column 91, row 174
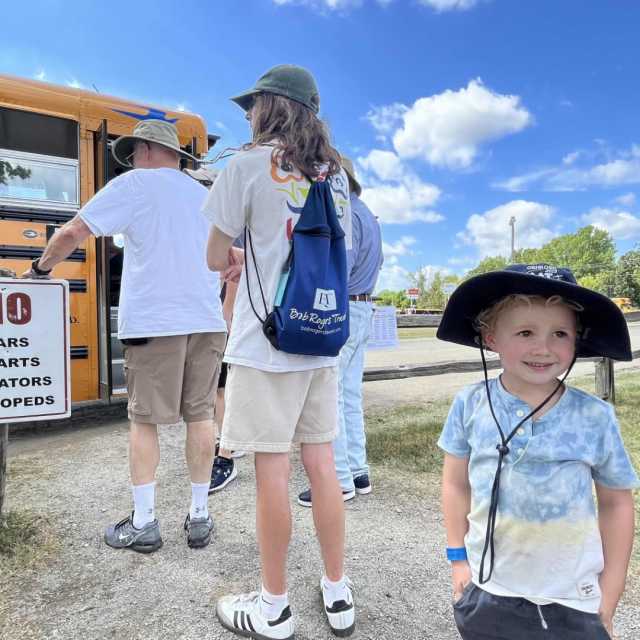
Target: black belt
column 361, row 297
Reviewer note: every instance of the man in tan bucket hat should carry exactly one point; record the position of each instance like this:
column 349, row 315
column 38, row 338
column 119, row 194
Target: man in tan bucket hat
column 170, row 318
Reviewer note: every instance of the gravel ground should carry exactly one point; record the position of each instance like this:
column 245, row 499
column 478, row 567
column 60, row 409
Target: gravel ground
column 79, row 479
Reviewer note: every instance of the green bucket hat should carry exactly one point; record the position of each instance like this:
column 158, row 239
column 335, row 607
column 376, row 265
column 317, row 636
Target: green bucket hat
column 347, row 165
column 288, row 80
column 156, row 131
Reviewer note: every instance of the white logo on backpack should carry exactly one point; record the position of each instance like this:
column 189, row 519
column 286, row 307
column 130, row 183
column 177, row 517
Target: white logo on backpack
column 325, row 300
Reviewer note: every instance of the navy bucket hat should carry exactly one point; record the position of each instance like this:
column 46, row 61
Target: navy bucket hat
column 604, row 331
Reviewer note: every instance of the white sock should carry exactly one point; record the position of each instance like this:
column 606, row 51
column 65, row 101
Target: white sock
column 199, row 500
column 144, row 497
column 334, row 591
column 272, row 606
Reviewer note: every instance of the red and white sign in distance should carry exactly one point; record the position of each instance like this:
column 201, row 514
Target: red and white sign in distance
column 413, row 294
column 34, row 350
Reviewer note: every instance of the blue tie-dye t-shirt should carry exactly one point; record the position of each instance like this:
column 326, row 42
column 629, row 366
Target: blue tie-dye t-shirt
column 547, row 540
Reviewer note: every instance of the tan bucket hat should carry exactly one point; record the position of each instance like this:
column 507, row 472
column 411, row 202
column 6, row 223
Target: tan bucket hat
column 347, row 165
column 157, row 131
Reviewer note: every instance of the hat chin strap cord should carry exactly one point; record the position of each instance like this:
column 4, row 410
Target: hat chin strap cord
column 503, row 450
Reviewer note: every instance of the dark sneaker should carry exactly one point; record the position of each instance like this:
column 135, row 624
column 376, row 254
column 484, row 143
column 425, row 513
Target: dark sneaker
column 199, row 531
column 123, row 535
column 223, row 472
column 242, row 615
column 340, row 613
column 304, row 498
column 362, row 484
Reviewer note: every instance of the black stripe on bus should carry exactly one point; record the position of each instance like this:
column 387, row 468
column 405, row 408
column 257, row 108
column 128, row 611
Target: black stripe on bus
column 77, row 286
column 35, row 215
column 31, row 253
column 79, row 353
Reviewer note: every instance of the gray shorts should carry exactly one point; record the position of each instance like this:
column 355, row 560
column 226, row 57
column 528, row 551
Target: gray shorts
column 480, row 615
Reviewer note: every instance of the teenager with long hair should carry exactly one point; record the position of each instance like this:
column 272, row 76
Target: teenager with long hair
column 275, row 398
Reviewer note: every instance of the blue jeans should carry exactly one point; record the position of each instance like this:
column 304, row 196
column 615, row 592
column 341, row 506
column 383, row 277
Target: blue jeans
column 349, row 447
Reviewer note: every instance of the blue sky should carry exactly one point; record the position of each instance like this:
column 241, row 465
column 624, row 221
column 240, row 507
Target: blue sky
column 458, row 113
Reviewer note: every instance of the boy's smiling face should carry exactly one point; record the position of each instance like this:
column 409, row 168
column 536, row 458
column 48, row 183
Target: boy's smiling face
column 536, row 343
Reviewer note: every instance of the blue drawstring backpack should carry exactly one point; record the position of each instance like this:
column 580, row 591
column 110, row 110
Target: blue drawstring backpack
column 311, row 310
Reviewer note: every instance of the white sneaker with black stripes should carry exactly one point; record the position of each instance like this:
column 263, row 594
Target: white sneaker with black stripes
column 241, row 615
column 340, row 613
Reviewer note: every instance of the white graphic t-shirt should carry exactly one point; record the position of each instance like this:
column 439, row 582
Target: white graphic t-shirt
column 253, row 191
column 167, row 288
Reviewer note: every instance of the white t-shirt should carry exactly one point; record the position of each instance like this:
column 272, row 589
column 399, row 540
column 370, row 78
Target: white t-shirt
column 167, row 288
column 253, row 191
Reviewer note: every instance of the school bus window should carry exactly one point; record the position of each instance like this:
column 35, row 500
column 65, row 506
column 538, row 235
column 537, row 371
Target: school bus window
column 37, row 133
column 39, row 179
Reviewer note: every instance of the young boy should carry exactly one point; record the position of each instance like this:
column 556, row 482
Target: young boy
column 530, row 557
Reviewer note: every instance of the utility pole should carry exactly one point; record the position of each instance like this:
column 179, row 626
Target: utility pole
column 512, row 224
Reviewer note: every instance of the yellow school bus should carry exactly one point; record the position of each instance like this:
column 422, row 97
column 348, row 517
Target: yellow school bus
column 54, row 155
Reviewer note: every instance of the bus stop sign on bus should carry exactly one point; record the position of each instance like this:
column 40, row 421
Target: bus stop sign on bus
column 34, row 350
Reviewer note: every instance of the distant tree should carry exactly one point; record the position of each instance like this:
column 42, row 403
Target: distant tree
column 627, row 277
column 603, row 282
column 7, row 170
column 397, row 299
column 527, row 256
column 490, row 263
column 451, row 278
column 434, row 297
column 588, row 251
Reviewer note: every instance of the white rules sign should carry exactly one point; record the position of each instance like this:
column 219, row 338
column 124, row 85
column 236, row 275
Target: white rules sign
column 34, row 350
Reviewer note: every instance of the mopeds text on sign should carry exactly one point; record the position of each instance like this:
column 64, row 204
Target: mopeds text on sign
column 34, row 350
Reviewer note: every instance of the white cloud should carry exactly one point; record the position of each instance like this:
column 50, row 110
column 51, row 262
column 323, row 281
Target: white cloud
column 490, row 232
column 447, row 129
column 385, row 164
column 403, row 202
column 387, row 118
column 74, row 84
column 570, row 158
column 398, row 248
column 620, row 224
column 333, row 5
column 395, row 194
column 621, row 170
column 41, row 75
column 181, row 107
column 627, row 199
column 449, row 5
column 392, row 276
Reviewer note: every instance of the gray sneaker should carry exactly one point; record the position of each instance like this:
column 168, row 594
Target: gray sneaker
column 123, row 535
column 199, row 531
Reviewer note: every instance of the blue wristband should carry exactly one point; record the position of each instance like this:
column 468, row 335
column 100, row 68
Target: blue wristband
column 455, row 554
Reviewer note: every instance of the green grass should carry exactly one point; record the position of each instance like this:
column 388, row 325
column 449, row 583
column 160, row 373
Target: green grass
column 408, row 333
column 26, row 540
column 407, row 434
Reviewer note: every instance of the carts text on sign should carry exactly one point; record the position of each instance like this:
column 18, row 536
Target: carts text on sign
column 34, row 350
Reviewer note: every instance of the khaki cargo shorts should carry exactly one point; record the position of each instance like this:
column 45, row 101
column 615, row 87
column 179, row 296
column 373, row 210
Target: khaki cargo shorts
column 266, row 411
column 173, row 376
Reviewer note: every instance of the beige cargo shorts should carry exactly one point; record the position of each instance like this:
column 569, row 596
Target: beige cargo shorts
column 267, row 411
column 171, row 377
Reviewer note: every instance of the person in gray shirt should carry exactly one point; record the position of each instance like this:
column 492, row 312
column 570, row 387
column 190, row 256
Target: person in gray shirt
column 363, row 266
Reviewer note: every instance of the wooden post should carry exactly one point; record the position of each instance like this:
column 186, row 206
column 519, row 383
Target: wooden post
column 4, row 445
column 605, row 381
